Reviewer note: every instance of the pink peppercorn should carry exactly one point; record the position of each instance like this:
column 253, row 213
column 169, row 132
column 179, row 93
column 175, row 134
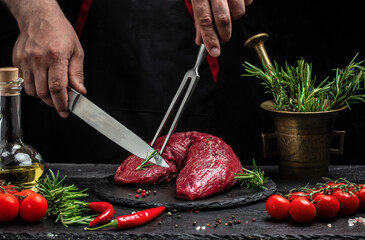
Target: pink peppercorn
column 253, row 219
column 136, row 196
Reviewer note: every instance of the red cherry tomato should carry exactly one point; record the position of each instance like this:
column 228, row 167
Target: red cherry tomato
column 349, row 202
column 301, row 210
column 33, row 208
column 21, row 195
column 361, row 196
column 327, row 206
column 277, row 207
column 295, row 195
column 9, row 189
column 9, row 207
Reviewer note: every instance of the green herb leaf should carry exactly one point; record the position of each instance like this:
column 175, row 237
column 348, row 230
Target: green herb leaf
column 252, row 178
column 295, row 88
column 63, row 203
column 145, row 163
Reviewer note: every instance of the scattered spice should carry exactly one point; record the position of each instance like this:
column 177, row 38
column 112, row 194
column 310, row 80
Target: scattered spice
column 154, row 192
column 130, row 195
column 253, row 219
column 229, row 223
column 143, row 194
column 169, row 213
column 159, row 223
column 194, row 223
column 246, row 221
column 197, row 212
column 203, row 228
column 239, row 221
column 137, row 196
column 232, row 216
column 174, row 210
column 198, row 228
column 329, row 225
column 176, row 226
column 353, row 221
column 178, row 216
column 208, row 224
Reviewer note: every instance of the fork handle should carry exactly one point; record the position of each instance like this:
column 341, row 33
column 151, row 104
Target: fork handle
column 201, row 56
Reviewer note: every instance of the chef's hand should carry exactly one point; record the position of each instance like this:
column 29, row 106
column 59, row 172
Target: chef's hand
column 213, row 21
column 48, row 52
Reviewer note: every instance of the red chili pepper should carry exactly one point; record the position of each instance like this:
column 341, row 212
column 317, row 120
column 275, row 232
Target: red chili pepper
column 99, row 207
column 106, row 210
column 133, row 220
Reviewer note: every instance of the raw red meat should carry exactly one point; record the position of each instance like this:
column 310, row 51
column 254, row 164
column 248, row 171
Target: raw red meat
column 203, row 165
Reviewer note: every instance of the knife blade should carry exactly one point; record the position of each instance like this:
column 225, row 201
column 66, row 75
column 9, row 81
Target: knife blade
column 111, row 128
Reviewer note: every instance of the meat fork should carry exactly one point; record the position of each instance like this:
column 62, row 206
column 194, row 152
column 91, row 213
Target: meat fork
column 189, row 83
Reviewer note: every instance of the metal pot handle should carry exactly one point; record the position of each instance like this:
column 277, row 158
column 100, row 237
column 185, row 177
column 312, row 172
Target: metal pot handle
column 340, row 150
column 265, row 145
column 269, row 136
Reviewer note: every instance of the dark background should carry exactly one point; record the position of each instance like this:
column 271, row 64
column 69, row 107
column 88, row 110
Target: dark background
column 326, row 33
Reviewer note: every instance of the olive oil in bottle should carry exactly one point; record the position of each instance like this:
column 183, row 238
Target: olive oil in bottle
column 20, row 164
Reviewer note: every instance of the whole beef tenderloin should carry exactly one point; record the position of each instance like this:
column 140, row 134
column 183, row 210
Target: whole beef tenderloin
column 203, row 165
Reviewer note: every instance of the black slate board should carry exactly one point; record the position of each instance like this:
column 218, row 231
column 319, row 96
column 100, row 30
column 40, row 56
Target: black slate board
column 107, row 189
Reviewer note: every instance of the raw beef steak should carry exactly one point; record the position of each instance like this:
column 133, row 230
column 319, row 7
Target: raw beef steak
column 203, row 165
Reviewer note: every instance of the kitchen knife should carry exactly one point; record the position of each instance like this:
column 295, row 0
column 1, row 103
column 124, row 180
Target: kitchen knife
column 109, row 127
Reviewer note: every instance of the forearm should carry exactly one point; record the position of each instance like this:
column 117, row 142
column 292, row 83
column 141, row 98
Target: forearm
column 23, row 10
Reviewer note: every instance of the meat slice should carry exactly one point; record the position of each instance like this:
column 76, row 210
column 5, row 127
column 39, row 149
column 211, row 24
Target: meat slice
column 209, row 169
column 205, row 162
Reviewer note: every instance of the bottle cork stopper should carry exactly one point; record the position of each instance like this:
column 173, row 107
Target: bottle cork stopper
column 9, row 81
column 8, row 74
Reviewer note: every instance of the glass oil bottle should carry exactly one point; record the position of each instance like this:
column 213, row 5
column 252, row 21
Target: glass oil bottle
column 20, row 164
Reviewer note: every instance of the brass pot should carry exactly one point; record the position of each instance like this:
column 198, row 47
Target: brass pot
column 303, row 141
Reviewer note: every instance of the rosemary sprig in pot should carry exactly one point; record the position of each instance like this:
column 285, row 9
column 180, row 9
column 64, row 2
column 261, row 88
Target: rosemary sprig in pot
column 295, row 89
column 63, row 203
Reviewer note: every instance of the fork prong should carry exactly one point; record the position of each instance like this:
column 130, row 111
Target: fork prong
column 168, row 113
column 191, row 75
column 188, row 93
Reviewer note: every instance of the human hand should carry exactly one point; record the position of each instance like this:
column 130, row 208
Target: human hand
column 213, row 21
column 48, row 53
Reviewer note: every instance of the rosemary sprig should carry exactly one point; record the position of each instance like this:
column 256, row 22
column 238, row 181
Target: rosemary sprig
column 252, row 178
column 295, row 88
column 63, row 203
column 144, row 163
